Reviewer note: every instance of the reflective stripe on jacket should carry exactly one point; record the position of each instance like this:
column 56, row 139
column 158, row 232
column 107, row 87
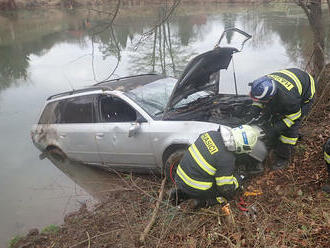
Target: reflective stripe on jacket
column 294, row 88
column 207, row 162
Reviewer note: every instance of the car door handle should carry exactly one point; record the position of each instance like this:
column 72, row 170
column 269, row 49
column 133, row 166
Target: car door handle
column 99, row 135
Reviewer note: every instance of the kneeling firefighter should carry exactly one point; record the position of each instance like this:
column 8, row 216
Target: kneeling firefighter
column 285, row 97
column 326, row 187
column 206, row 172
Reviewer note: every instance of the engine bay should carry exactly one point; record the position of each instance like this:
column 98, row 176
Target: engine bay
column 225, row 109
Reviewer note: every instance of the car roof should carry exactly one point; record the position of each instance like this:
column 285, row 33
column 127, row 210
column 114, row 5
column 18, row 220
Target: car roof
column 129, row 83
column 123, row 84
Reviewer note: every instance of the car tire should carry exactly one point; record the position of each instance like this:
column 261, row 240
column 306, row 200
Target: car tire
column 57, row 154
column 171, row 164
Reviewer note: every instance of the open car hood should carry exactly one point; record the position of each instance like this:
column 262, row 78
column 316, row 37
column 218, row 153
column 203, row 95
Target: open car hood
column 201, row 74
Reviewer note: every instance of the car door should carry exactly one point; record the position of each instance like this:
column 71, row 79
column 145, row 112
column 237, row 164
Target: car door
column 116, row 146
column 76, row 128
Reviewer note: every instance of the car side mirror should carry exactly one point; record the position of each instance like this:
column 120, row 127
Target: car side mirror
column 135, row 126
column 133, row 129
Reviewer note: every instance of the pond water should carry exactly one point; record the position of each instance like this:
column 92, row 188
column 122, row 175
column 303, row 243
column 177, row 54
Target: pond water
column 44, row 52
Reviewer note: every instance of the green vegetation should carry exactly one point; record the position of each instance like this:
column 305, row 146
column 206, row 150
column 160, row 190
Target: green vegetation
column 51, row 229
column 14, row 241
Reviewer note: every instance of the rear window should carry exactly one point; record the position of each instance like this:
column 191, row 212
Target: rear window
column 73, row 110
column 48, row 116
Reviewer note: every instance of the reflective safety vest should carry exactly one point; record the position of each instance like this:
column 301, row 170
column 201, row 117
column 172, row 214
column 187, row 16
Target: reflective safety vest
column 207, row 162
column 294, row 88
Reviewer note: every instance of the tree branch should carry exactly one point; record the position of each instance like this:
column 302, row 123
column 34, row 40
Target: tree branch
column 154, row 214
column 164, row 19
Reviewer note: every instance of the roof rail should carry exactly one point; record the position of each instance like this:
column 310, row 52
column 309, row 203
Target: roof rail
column 117, row 79
column 67, row 93
column 96, row 86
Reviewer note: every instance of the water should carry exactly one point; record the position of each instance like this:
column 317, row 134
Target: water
column 46, row 52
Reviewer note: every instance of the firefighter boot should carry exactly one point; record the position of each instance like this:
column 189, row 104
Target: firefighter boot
column 282, row 156
column 280, row 163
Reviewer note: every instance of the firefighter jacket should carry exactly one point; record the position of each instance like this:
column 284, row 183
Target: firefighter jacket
column 295, row 88
column 206, row 164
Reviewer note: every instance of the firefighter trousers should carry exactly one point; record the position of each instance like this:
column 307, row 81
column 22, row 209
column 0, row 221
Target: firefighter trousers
column 289, row 137
column 181, row 194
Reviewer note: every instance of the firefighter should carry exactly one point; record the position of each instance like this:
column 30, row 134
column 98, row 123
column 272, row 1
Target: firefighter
column 206, row 172
column 286, row 97
column 326, row 187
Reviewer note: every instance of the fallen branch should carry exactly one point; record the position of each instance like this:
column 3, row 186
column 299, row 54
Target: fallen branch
column 227, row 239
column 89, row 239
column 154, row 214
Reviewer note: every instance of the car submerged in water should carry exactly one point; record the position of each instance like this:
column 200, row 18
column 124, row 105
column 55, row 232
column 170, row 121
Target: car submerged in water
column 143, row 122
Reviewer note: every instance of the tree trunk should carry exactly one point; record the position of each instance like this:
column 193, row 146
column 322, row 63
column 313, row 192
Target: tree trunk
column 315, row 21
column 314, row 13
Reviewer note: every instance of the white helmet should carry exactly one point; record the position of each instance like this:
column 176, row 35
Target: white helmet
column 245, row 138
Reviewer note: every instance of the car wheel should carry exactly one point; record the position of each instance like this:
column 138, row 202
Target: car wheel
column 57, row 154
column 172, row 163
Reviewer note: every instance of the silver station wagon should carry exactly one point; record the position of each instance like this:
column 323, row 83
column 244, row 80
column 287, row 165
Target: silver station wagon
column 144, row 121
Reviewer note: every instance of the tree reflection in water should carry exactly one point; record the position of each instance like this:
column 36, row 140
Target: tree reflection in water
column 161, row 41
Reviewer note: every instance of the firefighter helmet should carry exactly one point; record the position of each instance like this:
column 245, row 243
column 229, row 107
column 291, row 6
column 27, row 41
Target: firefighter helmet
column 263, row 89
column 245, row 138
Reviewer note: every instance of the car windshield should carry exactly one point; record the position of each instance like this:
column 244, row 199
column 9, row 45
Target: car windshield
column 154, row 97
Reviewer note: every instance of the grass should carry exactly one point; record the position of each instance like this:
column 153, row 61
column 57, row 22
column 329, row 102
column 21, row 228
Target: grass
column 51, row 229
column 14, row 241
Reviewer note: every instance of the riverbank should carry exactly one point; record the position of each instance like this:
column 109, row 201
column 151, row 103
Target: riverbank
column 292, row 211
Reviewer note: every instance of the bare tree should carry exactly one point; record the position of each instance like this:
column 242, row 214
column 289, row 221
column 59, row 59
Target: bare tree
column 313, row 10
column 158, row 30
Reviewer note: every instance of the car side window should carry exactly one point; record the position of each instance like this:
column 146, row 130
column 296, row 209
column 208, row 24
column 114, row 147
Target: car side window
column 77, row 110
column 113, row 109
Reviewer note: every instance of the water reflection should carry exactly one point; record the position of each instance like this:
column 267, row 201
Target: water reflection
column 96, row 182
column 229, row 20
column 167, row 48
